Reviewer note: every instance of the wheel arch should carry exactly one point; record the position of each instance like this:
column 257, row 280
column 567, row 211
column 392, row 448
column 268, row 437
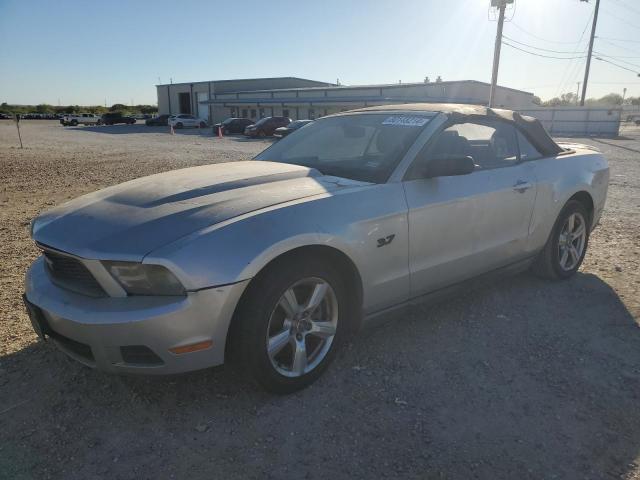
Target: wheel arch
column 586, row 200
column 330, row 254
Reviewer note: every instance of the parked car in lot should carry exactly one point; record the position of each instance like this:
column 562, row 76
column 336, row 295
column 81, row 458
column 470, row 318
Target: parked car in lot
column 233, row 125
column 185, row 120
column 159, row 121
column 292, row 127
column 115, row 118
column 275, row 262
column 266, row 126
column 81, row 119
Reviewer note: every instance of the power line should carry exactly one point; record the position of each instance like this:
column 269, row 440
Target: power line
column 620, row 19
column 565, row 52
column 618, row 39
column 617, row 46
column 616, row 59
column 627, row 6
column 540, row 38
column 540, row 55
column 578, row 64
column 616, row 65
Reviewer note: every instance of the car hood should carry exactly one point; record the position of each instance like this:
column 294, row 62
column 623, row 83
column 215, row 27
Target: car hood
column 129, row 220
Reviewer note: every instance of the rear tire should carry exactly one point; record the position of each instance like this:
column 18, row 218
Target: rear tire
column 260, row 318
column 563, row 254
column 74, row 123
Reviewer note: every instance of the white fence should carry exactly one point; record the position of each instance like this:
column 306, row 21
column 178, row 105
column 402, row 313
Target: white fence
column 578, row 121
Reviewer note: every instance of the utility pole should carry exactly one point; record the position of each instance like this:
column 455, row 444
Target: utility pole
column 593, row 36
column 502, row 6
column 577, row 93
column 624, row 94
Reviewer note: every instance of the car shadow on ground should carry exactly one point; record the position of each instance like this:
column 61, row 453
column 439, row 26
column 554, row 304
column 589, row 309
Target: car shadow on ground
column 520, row 379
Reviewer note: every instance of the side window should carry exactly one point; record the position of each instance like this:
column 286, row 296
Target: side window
column 527, row 151
column 491, row 144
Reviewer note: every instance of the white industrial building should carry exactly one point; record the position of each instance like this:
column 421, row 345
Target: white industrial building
column 299, row 98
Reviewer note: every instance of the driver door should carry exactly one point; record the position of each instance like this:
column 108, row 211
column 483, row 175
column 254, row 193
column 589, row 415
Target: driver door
column 462, row 226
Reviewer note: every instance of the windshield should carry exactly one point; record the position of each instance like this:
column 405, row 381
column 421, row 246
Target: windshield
column 365, row 147
column 228, row 121
column 263, row 120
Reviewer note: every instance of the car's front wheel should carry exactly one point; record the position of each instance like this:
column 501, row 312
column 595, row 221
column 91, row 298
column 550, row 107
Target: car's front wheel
column 290, row 323
column 566, row 247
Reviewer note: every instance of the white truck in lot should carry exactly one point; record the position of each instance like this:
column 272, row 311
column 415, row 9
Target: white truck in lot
column 81, row 119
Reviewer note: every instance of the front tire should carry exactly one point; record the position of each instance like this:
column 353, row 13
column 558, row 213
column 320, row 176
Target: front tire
column 290, row 323
column 567, row 245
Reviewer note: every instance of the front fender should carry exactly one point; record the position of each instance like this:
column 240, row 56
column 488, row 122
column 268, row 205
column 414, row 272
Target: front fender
column 350, row 221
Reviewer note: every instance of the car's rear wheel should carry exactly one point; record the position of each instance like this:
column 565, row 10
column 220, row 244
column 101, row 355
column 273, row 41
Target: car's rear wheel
column 262, row 134
column 290, row 323
column 74, row 123
column 567, row 245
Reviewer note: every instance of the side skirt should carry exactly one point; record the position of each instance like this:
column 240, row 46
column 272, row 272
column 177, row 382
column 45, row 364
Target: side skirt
column 383, row 316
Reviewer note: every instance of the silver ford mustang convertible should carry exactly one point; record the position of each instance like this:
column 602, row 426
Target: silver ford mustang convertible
column 274, row 262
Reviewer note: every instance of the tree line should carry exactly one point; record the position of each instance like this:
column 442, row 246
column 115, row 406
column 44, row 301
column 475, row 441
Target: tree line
column 44, row 108
column 570, row 99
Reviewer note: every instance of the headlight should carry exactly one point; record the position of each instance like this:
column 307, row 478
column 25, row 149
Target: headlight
column 144, row 279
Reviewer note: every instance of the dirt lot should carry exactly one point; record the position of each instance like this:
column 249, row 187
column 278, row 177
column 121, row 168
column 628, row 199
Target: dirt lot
column 522, row 379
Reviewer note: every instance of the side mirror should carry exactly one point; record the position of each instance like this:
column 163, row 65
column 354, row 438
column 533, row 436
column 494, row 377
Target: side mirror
column 448, row 166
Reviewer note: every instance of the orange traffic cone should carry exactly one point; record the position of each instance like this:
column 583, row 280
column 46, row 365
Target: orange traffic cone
column 219, row 132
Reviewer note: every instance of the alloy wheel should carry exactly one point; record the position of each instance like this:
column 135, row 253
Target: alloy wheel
column 571, row 241
column 302, row 327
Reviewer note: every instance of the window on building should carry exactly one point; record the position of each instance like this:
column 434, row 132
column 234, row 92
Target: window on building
column 311, row 114
column 262, row 113
column 253, row 113
column 244, row 113
column 285, row 112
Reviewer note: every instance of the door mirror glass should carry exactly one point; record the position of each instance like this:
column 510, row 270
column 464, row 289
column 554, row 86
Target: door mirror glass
column 448, row 166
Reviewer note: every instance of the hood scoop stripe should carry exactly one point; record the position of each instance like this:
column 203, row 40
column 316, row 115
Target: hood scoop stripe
column 226, row 186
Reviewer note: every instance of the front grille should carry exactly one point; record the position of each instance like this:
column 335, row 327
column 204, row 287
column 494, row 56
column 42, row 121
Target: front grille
column 70, row 273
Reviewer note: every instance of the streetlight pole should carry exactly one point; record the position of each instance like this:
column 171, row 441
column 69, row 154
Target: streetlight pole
column 586, row 70
column 502, row 6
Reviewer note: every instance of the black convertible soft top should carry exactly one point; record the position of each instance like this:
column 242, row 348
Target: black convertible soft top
column 529, row 126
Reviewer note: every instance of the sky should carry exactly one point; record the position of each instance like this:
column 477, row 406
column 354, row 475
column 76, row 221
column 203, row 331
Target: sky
column 116, row 51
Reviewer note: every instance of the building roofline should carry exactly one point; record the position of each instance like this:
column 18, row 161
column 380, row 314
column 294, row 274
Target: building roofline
column 248, row 79
column 382, row 85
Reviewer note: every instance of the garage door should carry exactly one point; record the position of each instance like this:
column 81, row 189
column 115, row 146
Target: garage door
column 203, row 109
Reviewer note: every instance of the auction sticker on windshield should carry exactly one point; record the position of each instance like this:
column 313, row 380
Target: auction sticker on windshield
column 406, row 121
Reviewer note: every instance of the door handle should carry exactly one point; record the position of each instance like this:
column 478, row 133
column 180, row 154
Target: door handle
column 522, row 186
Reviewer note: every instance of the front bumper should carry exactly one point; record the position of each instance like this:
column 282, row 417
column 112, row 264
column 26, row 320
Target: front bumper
column 95, row 330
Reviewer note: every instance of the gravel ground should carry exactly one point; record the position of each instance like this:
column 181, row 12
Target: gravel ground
column 521, row 379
